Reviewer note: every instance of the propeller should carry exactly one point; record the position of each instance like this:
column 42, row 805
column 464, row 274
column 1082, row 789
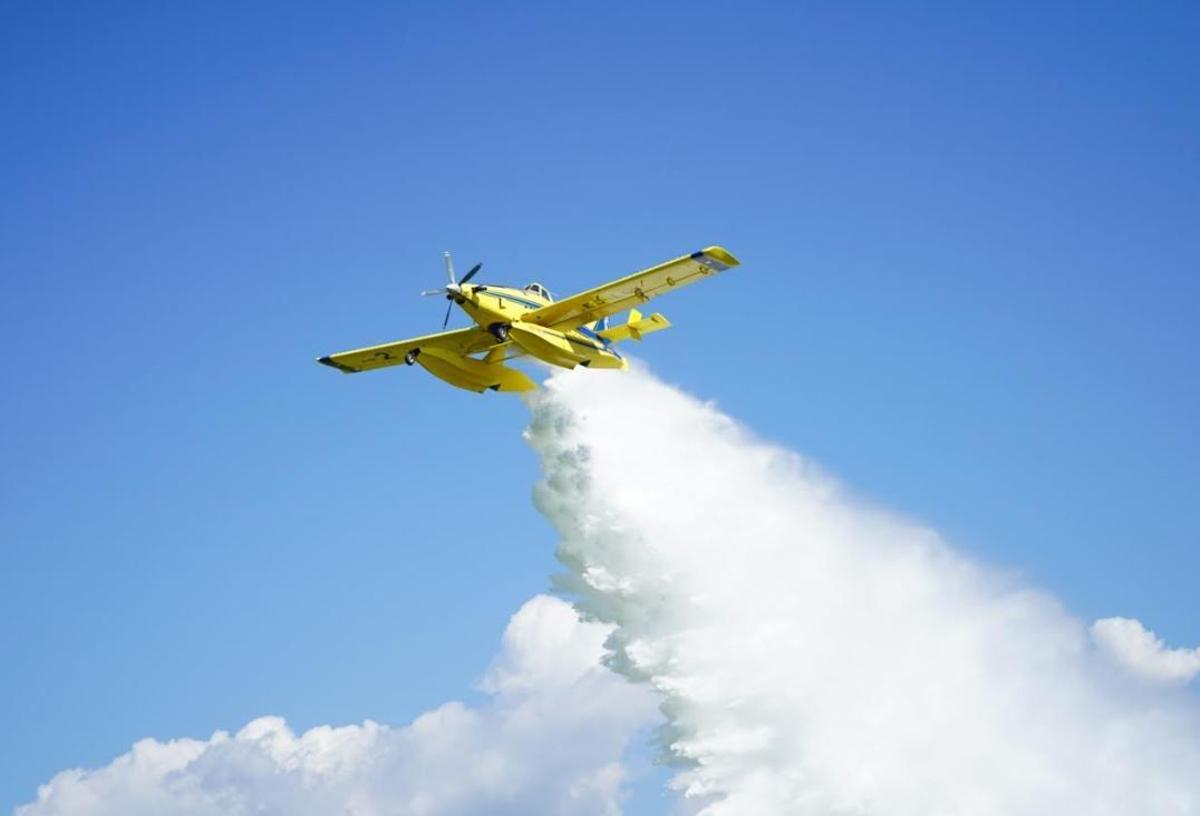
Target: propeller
column 470, row 274
column 453, row 288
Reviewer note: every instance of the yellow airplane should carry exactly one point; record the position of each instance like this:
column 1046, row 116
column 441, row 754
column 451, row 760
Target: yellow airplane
column 512, row 322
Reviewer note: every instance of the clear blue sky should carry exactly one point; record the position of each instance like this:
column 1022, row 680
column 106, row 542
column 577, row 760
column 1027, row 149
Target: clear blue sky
column 970, row 237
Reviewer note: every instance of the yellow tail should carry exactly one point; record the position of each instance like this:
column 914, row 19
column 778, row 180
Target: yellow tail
column 636, row 327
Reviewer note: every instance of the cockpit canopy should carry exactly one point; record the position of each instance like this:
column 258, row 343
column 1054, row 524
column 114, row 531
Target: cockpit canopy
column 539, row 290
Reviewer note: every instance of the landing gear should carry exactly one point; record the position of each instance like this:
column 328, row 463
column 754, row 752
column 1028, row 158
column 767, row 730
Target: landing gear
column 499, row 331
column 411, row 357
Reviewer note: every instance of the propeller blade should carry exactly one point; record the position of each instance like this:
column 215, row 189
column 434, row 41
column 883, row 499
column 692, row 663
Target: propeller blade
column 470, row 274
column 431, row 292
column 449, row 267
column 446, row 322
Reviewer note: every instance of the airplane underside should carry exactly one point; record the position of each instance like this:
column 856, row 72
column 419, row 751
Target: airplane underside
column 471, row 374
column 560, row 349
column 549, row 346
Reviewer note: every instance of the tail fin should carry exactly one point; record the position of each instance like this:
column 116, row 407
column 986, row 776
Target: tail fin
column 635, row 327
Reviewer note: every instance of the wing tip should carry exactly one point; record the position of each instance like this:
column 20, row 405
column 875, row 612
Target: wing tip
column 718, row 257
column 332, row 363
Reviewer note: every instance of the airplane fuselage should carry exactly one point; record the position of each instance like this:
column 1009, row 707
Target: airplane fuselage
column 501, row 309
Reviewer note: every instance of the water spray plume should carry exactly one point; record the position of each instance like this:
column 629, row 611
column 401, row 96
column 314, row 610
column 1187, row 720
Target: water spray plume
column 817, row 656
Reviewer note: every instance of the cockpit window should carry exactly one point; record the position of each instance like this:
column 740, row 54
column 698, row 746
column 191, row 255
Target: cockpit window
column 538, row 289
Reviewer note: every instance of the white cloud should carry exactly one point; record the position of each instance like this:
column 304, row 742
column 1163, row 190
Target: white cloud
column 812, row 655
column 818, row 656
column 549, row 740
column 1143, row 653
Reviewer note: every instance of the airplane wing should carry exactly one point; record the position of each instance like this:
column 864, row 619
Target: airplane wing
column 460, row 341
column 632, row 290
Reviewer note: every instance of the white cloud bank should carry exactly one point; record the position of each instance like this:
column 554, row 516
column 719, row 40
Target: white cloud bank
column 812, row 656
column 549, row 740
column 817, row 656
column 1140, row 651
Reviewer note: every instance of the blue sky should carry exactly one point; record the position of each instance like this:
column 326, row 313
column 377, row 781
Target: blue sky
column 968, row 288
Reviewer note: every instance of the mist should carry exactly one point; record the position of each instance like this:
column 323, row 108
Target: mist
column 816, row 655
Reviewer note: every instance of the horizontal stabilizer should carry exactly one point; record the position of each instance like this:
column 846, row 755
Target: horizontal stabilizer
column 636, row 327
